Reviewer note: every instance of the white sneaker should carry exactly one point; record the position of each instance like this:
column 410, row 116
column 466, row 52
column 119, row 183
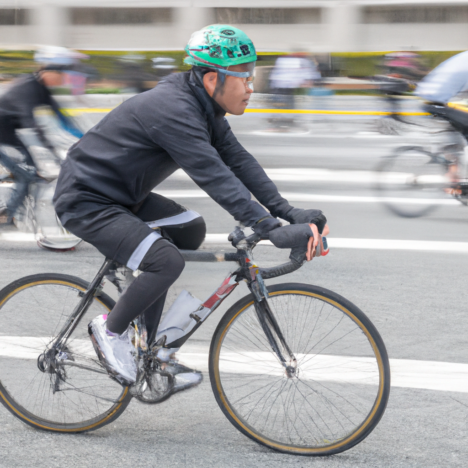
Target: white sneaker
column 114, row 351
column 184, row 377
column 186, row 380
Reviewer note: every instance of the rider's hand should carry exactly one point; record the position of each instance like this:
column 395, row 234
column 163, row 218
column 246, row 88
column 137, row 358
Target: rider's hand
column 299, row 216
column 315, row 241
column 263, row 226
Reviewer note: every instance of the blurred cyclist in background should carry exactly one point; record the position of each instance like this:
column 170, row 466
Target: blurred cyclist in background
column 17, row 106
column 401, row 72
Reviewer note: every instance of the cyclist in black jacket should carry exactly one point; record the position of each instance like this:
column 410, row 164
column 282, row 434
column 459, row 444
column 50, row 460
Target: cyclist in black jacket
column 104, row 192
column 17, row 106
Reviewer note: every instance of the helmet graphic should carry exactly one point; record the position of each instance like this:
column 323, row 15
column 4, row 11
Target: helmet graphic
column 219, row 46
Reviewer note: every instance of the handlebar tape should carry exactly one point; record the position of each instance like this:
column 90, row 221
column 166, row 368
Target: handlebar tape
column 294, row 237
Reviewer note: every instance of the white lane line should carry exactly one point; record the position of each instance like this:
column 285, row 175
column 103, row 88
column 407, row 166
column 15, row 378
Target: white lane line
column 405, row 373
column 17, row 237
column 302, row 174
column 371, row 244
column 292, row 196
column 333, row 242
column 394, row 244
column 429, row 375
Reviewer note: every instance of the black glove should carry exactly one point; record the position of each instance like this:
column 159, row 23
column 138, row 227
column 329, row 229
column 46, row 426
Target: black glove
column 292, row 237
column 298, row 216
column 263, row 226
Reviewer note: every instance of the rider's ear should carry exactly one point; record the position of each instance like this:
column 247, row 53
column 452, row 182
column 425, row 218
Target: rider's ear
column 209, row 81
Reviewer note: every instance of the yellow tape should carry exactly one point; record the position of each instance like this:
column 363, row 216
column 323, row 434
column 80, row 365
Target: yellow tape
column 328, row 112
column 457, row 106
column 78, row 111
column 86, row 110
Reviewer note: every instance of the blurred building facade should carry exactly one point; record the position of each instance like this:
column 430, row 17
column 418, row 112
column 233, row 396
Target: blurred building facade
column 274, row 25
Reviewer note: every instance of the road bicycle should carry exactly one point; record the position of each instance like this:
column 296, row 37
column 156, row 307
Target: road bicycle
column 415, row 179
column 294, row 367
column 36, row 214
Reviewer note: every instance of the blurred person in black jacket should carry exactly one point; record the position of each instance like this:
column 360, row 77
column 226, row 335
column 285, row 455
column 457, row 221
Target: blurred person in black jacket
column 17, row 106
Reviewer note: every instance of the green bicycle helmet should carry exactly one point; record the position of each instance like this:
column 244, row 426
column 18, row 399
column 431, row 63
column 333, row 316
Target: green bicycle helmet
column 220, row 46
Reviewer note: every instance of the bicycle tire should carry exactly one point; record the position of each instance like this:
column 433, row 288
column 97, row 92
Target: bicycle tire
column 18, row 359
column 225, row 386
column 387, row 187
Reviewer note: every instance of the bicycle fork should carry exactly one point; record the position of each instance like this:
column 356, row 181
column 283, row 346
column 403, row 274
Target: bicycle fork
column 270, row 325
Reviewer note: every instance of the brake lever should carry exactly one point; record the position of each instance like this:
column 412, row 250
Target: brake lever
column 240, row 241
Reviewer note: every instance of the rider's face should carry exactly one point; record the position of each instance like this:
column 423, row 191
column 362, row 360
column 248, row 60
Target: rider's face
column 234, row 96
column 52, row 78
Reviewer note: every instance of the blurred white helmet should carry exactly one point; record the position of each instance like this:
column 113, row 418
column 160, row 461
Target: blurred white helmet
column 60, row 57
column 164, row 63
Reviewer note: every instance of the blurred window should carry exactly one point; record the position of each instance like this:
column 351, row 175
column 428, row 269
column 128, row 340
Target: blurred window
column 12, row 16
column 416, row 14
column 268, row 15
column 100, row 16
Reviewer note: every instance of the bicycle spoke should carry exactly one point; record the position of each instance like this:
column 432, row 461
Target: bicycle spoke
column 71, row 394
column 322, row 401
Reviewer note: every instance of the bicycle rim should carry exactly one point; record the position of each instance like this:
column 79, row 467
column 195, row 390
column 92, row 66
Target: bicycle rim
column 411, row 182
column 342, row 383
column 69, row 398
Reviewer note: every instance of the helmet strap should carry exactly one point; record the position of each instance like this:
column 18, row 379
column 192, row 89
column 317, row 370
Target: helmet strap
column 219, row 88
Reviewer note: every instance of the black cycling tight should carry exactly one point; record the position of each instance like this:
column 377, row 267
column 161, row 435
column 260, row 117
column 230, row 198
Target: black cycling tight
column 161, row 267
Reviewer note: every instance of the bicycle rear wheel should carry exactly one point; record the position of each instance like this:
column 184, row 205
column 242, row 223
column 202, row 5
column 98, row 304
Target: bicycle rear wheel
column 75, row 394
column 341, row 385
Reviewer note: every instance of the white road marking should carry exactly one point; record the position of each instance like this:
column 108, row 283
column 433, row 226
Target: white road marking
column 293, row 196
column 371, row 244
column 303, row 174
column 333, row 242
column 17, row 237
column 406, row 373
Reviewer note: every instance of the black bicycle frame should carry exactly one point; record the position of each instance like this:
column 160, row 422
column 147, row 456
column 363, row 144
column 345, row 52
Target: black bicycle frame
column 87, row 298
column 247, row 271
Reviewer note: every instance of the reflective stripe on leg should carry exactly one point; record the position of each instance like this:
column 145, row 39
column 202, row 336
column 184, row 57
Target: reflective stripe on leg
column 139, row 253
column 181, row 218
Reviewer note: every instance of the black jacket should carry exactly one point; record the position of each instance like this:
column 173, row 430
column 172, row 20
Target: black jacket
column 17, row 106
column 145, row 139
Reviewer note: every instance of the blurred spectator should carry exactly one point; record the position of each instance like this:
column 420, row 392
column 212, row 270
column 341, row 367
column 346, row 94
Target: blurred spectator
column 132, row 74
column 290, row 74
column 163, row 66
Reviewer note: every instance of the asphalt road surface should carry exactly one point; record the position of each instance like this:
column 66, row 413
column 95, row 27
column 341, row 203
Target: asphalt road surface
column 407, row 275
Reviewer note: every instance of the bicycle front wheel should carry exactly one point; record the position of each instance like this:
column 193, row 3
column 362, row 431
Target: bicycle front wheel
column 340, row 386
column 68, row 392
